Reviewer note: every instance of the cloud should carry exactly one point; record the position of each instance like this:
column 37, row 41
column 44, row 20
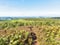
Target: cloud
column 42, row 13
column 11, row 11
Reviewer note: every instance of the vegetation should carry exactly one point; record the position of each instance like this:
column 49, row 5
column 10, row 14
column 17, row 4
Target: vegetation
column 17, row 38
column 47, row 31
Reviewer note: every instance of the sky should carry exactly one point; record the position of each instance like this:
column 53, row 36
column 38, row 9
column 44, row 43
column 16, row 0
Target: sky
column 16, row 8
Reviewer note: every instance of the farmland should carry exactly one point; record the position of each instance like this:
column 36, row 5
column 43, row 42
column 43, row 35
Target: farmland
column 16, row 31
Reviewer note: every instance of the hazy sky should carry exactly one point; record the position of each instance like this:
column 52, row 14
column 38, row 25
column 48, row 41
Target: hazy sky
column 29, row 7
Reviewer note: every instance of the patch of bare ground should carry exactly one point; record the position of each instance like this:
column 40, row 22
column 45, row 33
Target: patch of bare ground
column 36, row 29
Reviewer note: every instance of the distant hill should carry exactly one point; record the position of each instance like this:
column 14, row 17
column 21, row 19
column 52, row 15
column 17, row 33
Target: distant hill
column 55, row 17
column 11, row 18
column 8, row 18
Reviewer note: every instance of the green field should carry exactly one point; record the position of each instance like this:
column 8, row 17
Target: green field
column 16, row 31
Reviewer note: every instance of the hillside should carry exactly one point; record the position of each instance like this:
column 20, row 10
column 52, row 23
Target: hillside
column 46, row 30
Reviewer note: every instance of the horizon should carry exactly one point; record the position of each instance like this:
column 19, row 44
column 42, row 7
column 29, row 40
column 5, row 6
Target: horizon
column 29, row 8
column 29, row 16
